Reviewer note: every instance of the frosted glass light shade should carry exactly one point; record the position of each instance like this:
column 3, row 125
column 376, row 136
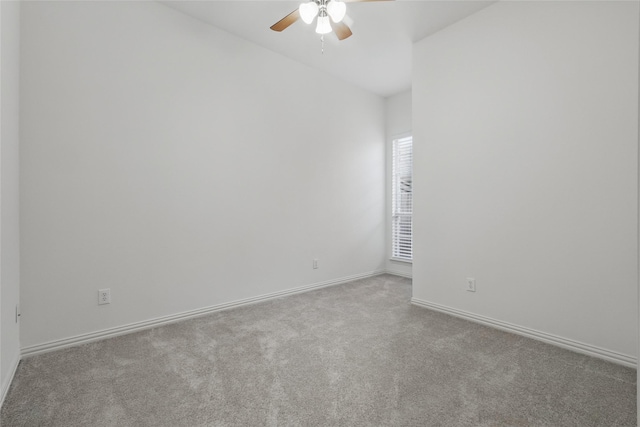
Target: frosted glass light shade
column 336, row 10
column 324, row 26
column 308, row 11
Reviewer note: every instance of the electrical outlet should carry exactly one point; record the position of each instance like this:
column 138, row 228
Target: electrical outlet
column 471, row 284
column 315, row 263
column 104, row 296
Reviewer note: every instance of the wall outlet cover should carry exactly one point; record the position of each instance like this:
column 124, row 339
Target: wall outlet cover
column 104, row 296
column 471, row 284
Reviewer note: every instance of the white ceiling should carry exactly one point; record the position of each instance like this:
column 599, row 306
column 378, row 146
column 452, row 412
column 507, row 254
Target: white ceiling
column 377, row 57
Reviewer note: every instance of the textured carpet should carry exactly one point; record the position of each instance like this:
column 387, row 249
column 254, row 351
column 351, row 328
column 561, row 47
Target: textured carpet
column 350, row 355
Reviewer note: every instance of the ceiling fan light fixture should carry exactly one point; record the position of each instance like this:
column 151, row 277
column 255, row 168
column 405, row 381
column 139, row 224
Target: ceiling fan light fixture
column 308, row 11
column 336, row 10
column 324, row 26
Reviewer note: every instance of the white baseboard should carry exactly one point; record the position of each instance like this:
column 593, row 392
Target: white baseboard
column 399, row 273
column 569, row 344
column 7, row 381
column 164, row 320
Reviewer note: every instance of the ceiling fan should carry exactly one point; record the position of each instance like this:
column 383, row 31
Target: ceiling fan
column 330, row 15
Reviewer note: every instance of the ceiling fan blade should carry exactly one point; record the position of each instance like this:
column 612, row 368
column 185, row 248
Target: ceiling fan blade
column 354, row 1
column 341, row 29
column 286, row 21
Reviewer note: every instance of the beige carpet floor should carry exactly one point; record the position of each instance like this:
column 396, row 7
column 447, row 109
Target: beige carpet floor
column 357, row 354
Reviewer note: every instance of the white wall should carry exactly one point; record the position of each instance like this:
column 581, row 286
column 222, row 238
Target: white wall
column 9, row 218
column 182, row 167
column 525, row 134
column 398, row 124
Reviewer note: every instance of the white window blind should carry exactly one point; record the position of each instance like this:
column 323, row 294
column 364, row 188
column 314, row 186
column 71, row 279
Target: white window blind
column 402, row 199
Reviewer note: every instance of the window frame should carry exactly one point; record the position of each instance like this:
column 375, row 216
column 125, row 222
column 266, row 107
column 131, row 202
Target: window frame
column 396, row 199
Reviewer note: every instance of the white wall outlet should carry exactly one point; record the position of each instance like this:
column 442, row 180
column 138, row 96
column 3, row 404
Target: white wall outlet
column 471, row 284
column 104, row 296
column 315, row 263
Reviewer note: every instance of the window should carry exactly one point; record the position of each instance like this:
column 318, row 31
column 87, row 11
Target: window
column 402, row 199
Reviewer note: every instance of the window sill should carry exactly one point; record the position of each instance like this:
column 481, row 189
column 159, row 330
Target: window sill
column 405, row 261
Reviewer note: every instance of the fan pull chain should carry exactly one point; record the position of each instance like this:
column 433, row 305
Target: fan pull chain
column 322, row 43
